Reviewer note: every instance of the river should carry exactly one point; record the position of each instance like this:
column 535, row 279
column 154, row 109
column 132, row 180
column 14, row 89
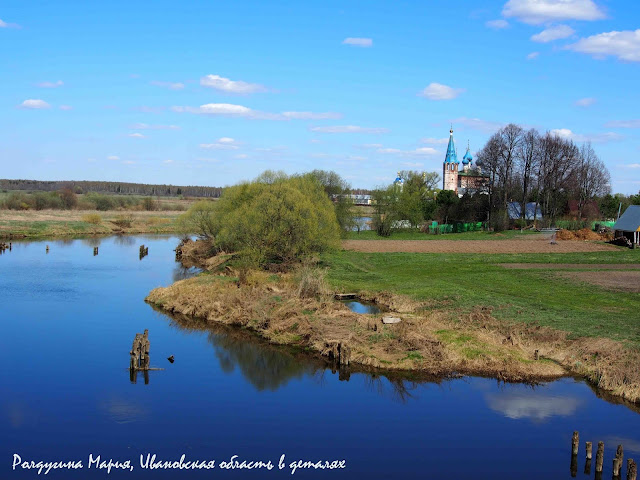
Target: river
column 67, row 320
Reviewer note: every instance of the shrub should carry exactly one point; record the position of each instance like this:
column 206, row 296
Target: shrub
column 123, row 221
column 275, row 219
column 149, row 204
column 311, row 281
column 93, row 218
column 101, row 202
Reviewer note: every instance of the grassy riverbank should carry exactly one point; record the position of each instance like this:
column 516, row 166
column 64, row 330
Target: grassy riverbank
column 60, row 223
column 462, row 313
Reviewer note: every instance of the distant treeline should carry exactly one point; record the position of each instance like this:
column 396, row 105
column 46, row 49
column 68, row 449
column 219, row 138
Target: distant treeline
column 123, row 188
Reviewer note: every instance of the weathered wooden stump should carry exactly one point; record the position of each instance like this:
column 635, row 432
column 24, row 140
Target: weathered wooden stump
column 536, row 355
column 139, row 354
column 574, row 465
column 599, row 457
column 95, row 251
column 616, row 466
column 633, row 471
column 47, row 249
column 338, row 352
column 589, row 450
column 575, row 443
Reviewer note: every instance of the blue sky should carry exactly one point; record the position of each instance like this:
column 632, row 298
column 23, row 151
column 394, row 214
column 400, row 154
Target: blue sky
column 210, row 93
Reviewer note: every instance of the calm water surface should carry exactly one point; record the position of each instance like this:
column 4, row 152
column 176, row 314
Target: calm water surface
column 67, row 320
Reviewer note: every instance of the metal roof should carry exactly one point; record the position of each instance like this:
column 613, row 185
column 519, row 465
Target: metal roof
column 452, row 156
column 630, row 220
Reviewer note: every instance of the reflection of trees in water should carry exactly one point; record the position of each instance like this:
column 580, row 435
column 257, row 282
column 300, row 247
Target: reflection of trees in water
column 91, row 241
column 269, row 367
column 181, row 272
column 125, row 240
column 265, row 367
column 64, row 242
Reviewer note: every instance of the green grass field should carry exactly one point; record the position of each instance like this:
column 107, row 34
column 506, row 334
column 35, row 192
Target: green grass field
column 460, row 282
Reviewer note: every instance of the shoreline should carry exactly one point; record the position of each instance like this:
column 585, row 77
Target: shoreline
column 429, row 344
column 54, row 224
column 432, row 339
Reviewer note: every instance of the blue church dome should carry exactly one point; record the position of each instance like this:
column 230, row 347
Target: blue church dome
column 467, row 159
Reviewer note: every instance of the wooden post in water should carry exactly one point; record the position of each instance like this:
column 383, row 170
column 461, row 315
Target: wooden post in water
column 629, row 462
column 633, row 471
column 616, row 466
column 589, row 449
column 47, row 249
column 599, row 457
column 617, row 461
column 587, row 466
column 575, row 443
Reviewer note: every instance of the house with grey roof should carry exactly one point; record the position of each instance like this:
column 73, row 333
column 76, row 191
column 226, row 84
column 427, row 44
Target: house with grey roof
column 628, row 225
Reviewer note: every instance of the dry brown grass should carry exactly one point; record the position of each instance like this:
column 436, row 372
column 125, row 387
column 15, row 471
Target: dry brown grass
column 426, row 340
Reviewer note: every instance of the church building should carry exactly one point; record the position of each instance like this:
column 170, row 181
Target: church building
column 468, row 180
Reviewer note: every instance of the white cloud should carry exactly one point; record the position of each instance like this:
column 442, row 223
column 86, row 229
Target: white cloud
column 8, row 25
column 312, row 115
column 631, row 165
column 585, row 102
column 535, row 406
column 589, row 137
column 167, row 161
column 217, row 109
column 408, row 153
column 358, row 42
column 536, row 12
column 231, row 86
column 224, row 143
column 623, row 124
column 438, row 91
column 57, row 84
column 169, row 85
column 145, row 126
column 348, row 129
column 128, row 162
column 113, row 157
column 435, row 141
column 372, row 145
column 478, row 124
column 137, row 135
column 34, row 104
column 497, row 24
column 553, row 33
column 65, row 107
column 533, row 55
column 241, row 156
column 625, row 45
column 232, row 110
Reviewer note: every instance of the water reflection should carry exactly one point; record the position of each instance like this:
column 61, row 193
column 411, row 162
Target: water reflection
column 181, row 272
column 270, row 367
column 92, row 241
column 362, row 307
column 532, row 405
column 124, row 240
column 122, row 411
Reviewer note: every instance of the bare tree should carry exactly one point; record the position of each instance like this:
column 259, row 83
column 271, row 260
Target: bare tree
column 528, row 158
